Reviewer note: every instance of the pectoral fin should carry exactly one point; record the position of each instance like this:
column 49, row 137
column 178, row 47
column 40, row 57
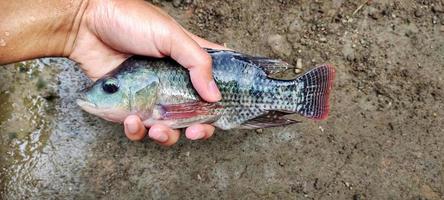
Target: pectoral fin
column 188, row 110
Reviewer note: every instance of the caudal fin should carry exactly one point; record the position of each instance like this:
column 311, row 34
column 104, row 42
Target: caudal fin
column 315, row 89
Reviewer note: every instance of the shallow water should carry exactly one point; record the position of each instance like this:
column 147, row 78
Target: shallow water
column 41, row 132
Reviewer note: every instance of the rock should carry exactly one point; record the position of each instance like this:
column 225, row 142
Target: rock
column 438, row 8
column 299, row 63
column 177, row 3
column 358, row 197
column 295, row 27
column 419, row 13
column 323, row 39
column 374, row 13
column 279, row 45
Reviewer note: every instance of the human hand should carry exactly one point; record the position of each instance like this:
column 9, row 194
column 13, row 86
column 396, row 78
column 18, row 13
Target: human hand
column 101, row 34
column 111, row 31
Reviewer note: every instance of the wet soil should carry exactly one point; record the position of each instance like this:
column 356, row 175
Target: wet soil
column 383, row 140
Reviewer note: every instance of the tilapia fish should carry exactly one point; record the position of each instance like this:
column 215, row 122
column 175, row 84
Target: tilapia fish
column 160, row 91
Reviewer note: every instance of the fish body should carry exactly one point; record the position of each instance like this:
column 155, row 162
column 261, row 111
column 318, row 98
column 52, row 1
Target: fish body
column 160, row 91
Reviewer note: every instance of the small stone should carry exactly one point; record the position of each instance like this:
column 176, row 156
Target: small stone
column 299, row 63
column 297, row 71
column 279, row 45
column 259, row 130
column 358, row 197
column 323, row 39
column 295, row 26
column 438, row 8
column 177, row 3
column 373, row 13
column 419, row 13
column 435, row 20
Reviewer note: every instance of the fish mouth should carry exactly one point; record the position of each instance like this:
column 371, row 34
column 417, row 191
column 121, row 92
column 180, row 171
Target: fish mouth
column 86, row 105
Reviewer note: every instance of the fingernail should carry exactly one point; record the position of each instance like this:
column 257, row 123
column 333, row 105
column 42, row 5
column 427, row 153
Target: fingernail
column 197, row 135
column 159, row 136
column 132, row 128
column 214, row 89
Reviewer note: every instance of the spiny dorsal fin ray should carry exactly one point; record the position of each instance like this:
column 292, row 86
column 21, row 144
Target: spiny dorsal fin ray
column 269, row 66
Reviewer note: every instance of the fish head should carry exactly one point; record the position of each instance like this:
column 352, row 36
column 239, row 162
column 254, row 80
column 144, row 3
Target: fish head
column 115, row 97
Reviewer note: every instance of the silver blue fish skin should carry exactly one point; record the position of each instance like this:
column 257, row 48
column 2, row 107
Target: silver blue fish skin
column 160, row 91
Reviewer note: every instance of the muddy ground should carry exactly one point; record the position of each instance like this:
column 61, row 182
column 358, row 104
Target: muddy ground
column 384, row 138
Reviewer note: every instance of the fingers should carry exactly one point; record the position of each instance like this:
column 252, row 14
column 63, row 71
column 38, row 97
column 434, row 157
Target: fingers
column 164, row 135
column 134, row 128
column 199, row 131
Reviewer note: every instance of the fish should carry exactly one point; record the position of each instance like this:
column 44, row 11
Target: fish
column 159, row 91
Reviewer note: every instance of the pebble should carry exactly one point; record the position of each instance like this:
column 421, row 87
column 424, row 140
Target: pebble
column 437, row 8
column 299, row 63
column 323, row 39
column 419, row 13
column 259, row 130
column 279, row 45
column 176, row 3
column 297, row 71
column 295, row 27
column 374, row 13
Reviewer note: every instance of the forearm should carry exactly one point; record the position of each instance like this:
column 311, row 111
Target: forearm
column 32, row 29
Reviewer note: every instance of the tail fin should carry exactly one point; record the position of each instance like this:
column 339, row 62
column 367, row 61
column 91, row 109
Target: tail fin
column 315, row 86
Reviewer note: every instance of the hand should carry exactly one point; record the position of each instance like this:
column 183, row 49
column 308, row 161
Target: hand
column 113, row 30
column 101, row 34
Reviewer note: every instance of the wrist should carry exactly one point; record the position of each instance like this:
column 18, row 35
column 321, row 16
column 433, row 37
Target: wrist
column 38, row 29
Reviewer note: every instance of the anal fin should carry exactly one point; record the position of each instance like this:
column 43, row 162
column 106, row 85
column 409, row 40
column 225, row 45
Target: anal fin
column 269, row 119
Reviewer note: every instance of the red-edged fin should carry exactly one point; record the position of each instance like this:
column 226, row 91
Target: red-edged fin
column 318, row 83
column 187, row 110
column 269, row 119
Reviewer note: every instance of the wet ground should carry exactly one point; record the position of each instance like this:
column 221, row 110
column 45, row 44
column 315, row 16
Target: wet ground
column 384, row 138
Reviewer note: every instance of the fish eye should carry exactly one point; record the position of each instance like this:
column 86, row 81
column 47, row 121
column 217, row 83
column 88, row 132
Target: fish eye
column 110, row 85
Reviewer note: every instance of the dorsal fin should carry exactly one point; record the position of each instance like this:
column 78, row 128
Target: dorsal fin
column 269, row 66
column 269, row 119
